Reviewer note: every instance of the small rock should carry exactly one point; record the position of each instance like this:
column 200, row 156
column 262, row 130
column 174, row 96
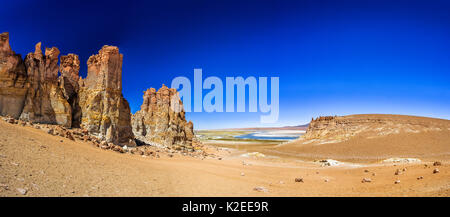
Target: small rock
column 4, row 186
column 326, row 180
column 364, row 180
column 398, row 172
column 436, row 170
column 22, row 191
column 298, row 179
column 50, row 131
column 374, row 174
column 69, row 136
column 397, row 182
column 37, row 127
column 437, row 163
column 260, row 189
column 420, row 177
column 366, row 171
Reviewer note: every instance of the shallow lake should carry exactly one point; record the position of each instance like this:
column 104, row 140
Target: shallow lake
column 268, row 136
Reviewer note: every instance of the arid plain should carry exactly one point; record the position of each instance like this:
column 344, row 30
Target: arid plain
column 35, row 163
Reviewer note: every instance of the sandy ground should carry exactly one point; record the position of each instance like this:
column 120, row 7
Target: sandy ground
column 46, row 165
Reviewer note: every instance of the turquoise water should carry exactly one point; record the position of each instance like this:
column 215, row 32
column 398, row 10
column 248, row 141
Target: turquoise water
column 254, row 136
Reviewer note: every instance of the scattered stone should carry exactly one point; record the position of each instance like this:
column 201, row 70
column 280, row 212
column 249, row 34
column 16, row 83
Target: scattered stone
column 69, row 136
column 4, row 186
column 436, row 170
column 420, row 177
column 326, row 180
column 366, row 170
column 329, row 162
column 364, row 180
column 437, row 163
column 398, row 172
column 260, row 189
column 22, row 191
column 374, row 174
column 397, row 182
column 50, row 131
column 298, row 179
column 401, row 160
column 117, row 148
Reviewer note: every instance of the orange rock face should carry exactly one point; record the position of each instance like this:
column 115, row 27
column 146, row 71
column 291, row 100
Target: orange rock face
column 45, row 101
column 162, row 119
column 105, row 112
column 13, row 80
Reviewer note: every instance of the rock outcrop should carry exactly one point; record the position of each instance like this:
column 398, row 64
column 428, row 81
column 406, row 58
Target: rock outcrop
column 162, row 119
column 333, row 129
column 68, row 82
column 105, row 112
column 32, row 91
column 45, row 101
column 13, row 80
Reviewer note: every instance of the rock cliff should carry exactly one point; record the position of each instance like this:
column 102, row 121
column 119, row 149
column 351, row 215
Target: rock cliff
column 105, row 112
column 32, row 91
column 13, row 80
column 162, row 119
column 45, row 101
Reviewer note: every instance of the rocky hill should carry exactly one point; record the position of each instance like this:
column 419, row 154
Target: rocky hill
column 371, row 138
column 162, row 119
column 332, row 129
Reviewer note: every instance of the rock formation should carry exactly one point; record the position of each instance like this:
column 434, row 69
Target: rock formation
column 32, row 91
column 13, row 80
column 333, row 129
column 162, row 119
column 68, row 81
column 45, row 101
column 105, row 112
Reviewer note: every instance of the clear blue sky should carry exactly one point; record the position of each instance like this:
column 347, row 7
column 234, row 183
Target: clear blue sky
column 332, row 57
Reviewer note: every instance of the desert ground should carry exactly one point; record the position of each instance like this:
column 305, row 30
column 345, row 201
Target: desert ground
column 34, row 163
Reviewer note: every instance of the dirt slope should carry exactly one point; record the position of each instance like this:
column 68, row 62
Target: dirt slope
column 48, row 165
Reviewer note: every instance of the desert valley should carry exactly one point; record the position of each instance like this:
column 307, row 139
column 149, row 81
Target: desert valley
column 63, row 135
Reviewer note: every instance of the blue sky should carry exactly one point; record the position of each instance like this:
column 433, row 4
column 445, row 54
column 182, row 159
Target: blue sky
column 332, row 57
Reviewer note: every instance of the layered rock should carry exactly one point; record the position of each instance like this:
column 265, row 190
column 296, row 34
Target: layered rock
column 13, row 80
column 45, row 101
column 68, row 81
column 332, row 129
column 105, row 112
column 162, row 119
